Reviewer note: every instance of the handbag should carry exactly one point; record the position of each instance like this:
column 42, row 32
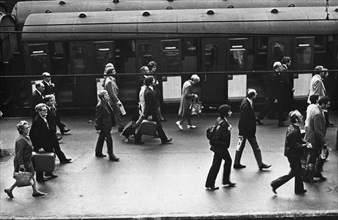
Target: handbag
column 23, row 178
column 196, row 107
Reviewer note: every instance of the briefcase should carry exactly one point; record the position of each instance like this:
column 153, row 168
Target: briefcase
column 44, row 161
column 148, row 127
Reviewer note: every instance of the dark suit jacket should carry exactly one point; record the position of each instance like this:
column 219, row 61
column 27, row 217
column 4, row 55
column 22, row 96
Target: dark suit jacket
column 36, row 99
column 48, row 89
column 151, row 103
column 104, row 117
column 281, row 89
column 293, row 142
column 51, row 118
column 247, row 119
column 41, row 135
column 223, row 141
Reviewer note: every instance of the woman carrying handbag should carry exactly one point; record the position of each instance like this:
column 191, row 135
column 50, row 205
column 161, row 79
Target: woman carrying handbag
column 22, row 162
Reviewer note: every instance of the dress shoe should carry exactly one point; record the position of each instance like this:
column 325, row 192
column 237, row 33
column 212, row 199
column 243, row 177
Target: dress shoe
column 42, row 180
column 239, row 166
column 59, row 138
column 100, row 155
column 167, row 141
column 65, row 130
column 301, row 192
column 51, row 175
column 178, row 123
column 114, row 158
column 273, row 189
column 38, row 194
column 67, row 160
column 264, row 166
column 191, row 126
column 259, row 122
column 230, row 184
column 320, row 177
column 212, row 187
column 9, row 193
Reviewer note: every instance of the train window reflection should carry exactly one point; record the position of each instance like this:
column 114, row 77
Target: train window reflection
column 304, row 55
column 78, row 66
column 39, row 58
column 104, row 55
column 210, row 54
column 278, row 50
column 236, row 59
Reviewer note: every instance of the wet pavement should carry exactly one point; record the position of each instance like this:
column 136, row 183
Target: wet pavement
column 157, row 181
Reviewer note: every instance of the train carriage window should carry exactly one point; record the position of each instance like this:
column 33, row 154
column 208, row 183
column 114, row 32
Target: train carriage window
column 78, row 66
column 278, row 51
column 237, row 55
column 104, row 54
column 210, row 56
column 171, row 55
column 38, row 58
column 145, row 54
column 59, row 61
column 189, row 56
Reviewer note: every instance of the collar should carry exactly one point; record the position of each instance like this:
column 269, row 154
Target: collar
column 250, row 101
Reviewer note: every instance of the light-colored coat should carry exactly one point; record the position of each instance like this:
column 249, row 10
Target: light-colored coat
column 316, row 87
column 186, row 99
column 110, row 85
column 316, row 130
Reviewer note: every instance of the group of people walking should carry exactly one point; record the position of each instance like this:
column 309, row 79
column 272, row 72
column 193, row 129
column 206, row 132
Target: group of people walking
column 109, row 110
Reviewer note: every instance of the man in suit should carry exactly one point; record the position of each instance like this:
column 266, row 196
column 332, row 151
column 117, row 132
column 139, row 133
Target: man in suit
column 315, row 134
column 51, row 119
column 42, row 137
column 50, row 90
column 150, row 111
column 110, row 85
column 47, row 82
column 37, row 97
column 247, row 131
column 104, row 121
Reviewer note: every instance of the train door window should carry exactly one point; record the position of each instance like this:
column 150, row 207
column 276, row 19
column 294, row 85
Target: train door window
column 213, row 85
column 59, row 61
column 237, row 61
column 304, row 52
column 320, row 46
column 144, row 54
column 38, row 59
column 78, row 59
column 171, row 62
column 261, row 58
column 189, row 56
column 104, row 54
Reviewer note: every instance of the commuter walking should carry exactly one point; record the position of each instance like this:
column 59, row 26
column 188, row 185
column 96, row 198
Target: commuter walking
column 317, row 87
column 220, row 149
column 110, row 85
column 50, row 90
column 315, row 134
column 42, row 138
column 293, row 150
column 187, row 97
column 37, row 97
column 247, row 131
column 104, row 121
column 157, row 88
column 281, row 93
column 150, row 112
column 22, row 159
column 51, row 119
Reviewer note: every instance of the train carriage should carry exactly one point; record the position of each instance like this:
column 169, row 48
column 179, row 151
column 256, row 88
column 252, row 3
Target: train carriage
column 223, row 45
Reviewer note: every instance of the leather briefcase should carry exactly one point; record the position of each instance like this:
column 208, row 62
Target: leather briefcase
column 44, row 161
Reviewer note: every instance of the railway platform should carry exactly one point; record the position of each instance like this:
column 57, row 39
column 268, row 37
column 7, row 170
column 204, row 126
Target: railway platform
column 154, row 181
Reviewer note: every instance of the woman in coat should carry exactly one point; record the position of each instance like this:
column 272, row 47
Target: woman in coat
column 22, row 159
column 186, row 100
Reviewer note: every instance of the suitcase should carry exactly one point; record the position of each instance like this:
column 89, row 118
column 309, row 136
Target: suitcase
column 44, row 161
column 148, row 128
column 128, row 130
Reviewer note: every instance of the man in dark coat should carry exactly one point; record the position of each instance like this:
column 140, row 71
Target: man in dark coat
column 37, row 97
column 294, row 146
column 151, row 107
column 104, row 121
column 247, row 131
column 42, row 137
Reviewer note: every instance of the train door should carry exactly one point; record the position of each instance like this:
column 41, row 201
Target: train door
column 304, row 53
column 214, row 86
column 171, row 62
column 148, row 50
column 82, row 58
column 237, row 58
column 278, row 48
